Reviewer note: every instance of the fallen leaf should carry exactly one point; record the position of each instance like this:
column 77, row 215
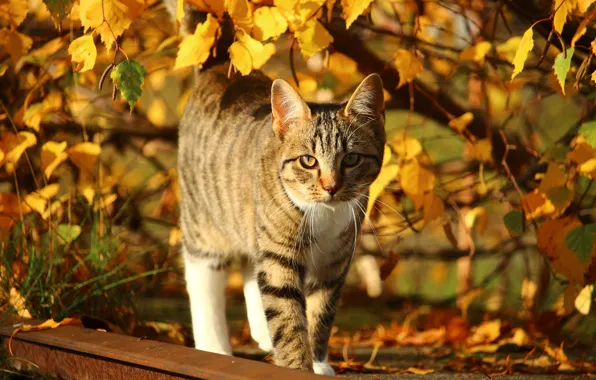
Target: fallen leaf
column 13, row 146
column 420, row 371
column 485, row 333
column 49, row 324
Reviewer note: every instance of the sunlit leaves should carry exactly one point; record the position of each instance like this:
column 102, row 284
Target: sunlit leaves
column 433, row 207
column 85, row 156
column 128, row 77
column 312, row 38
column 240, row 11
column 408, row 66
column 406, row 147
column 84, row 52
column 52, row 154
column 583, row 301
column 268, row 23
column 387, row 175
column 415, row 179
column 248, row 54
column 351, row 9
column 525, row 46
column 36, row 112
column 39, row 201
column 59, row 9
column 67, row 233
column 479, row 150
column 560, row 17
column 562, row 65
column 195, row 49
column 584, row 156
column 13, row 11
column 461, row 123
column 581, row 241
column 118, row 17
column 476, row 53
column 13, row 146
column 588, row 131
column 16, row 44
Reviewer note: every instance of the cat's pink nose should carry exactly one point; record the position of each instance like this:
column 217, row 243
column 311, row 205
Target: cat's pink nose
column 331, row 189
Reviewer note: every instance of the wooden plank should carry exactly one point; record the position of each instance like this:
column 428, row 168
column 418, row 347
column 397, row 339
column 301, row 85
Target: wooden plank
column 86, row 348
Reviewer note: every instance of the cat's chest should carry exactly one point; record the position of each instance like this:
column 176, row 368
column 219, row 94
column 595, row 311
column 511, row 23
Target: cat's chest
column 327, row 227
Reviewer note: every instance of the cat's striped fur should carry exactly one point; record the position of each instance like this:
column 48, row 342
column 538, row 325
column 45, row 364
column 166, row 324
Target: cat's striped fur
column 247, row 191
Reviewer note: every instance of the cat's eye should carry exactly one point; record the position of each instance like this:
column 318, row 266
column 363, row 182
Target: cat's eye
column 351, row 159
column 308, row 162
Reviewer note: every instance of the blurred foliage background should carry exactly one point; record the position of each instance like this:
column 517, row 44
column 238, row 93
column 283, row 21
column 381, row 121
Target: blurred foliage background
column 485, row 203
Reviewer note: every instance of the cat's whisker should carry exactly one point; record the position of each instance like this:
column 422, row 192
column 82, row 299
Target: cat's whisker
column 384, row 204
column 374, row 230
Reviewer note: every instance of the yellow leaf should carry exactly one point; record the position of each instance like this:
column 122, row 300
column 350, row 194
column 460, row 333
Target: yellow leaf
column 582, row 28
column 298, row 12
column 420, row 371
column 248, row 54
column 551, row 242
column 83, row 51
column 16, row 44
column 342, row 66
column 351, row 9
column 14, row 145
column 415, row 180
column 13, row 12
column 584, row 156
column 536, row 204
column 477, row 217
column 39, row 201
column 312, row 38
column 35, row 113
column 480, row 150
column 17, row 301
column 406, row 148
column 554, row 177
column 520, row 338
column 584, row 300
column 195, row 49
column 556, row 353
column 507, row 49
column 584, row 5
column 241, row 13
column 525, row 46
column 462, row 122
column 528, row 292
column 476, row 53
column 408, row 66
column 179, row 10
column 52, row 155
column 386, row 176
column 85, row 155
column 268, row 23
column 560, row 18
column 486, row 333
column 49, row 48
column 433, row 207
column 118, row 14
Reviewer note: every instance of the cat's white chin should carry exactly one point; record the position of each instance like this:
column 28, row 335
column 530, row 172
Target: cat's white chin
column 323, row 368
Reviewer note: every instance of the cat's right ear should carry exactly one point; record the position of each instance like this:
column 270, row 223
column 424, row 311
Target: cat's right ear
column 286, row 106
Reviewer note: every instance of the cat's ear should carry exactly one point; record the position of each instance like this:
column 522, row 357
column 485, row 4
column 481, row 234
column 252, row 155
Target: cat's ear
column 368, row 98
column 286, row 106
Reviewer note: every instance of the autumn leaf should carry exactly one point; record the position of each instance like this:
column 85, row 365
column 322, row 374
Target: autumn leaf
column 312, row 38
column 406, row 147
column 59, row 9
column 342, row 66
column 179, row 11
column 14, row 145
column 67, row 233
column 560, row 17
column 16, row 44
column 408, row 66
column 562, row 65
column 36, row 112
column 583, row 5
column 49, row 324
column 588, row 131
column 248, row 54
column 196, row 48
column 476, row 53
column 52, row 155
column 420, row 371
column 17, row 301
column 13, row 12
column 85, row 155
column 551, row 236
column 415, row 179
column 525, row 46
column 536, row 204
column 581, row 241
column 462, row 122
column 478, row 216
column 268, row 23
column 351, row 9
column 128, row 77
column 485, row 333
column 39, row 201
column 118, row 17
column 387, row 174
column 582, row 28
column 583, row 302
column 433, row 207
column 83, row 51
column 584, row 156
column 241, row 12
column 480, row 150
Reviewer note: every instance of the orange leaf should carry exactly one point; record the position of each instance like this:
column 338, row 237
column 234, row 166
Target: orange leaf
column 49, row 324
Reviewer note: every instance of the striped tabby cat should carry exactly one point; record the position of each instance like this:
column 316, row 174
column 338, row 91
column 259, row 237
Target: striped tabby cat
column 283, row 184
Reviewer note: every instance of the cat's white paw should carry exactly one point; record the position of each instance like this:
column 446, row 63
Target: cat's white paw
column 214, row 348
column 323, row 368
column 263, row 339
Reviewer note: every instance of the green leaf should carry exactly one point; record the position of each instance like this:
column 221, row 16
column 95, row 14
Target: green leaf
column 588, row 130
column 514, row 221
column 67, row 233
column 128, row 77
column 562, row 65
column 580, row 241
column 59, row 9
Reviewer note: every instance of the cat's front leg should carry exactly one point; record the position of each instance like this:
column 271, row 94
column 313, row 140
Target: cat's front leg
column 280, row 278
column 322, row 294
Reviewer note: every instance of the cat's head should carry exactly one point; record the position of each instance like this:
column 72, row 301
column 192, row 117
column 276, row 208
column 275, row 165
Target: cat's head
column 329, row 153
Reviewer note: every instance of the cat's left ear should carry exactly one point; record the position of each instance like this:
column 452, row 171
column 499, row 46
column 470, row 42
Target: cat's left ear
column 368, row 99
column 287, row 106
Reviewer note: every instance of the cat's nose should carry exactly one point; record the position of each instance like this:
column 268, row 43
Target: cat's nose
column 330, row 188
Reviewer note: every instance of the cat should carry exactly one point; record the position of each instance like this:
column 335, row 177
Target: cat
column 282, row 183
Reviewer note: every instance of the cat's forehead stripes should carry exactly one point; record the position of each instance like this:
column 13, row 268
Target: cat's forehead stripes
column 327, row 134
